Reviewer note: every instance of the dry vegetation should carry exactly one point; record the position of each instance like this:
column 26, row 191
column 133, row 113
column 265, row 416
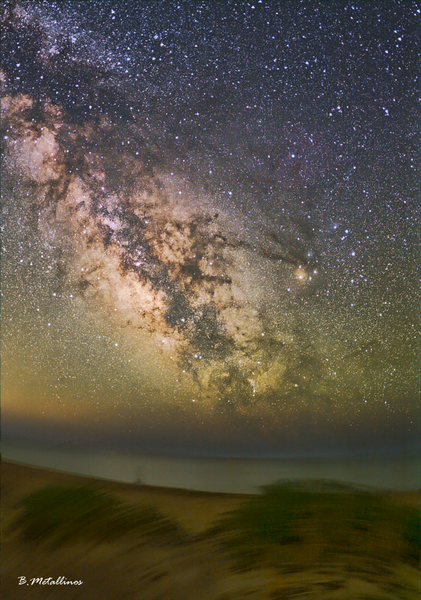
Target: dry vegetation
column 322, row 540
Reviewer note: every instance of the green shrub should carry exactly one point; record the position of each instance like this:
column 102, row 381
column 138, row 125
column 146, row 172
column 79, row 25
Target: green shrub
column 63, row 513
column 412, row 536
column 318, row 520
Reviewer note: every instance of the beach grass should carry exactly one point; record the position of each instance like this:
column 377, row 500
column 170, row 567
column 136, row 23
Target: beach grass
column 319, row 522
column 288, row 520
column 65, row 513
column 294, row 540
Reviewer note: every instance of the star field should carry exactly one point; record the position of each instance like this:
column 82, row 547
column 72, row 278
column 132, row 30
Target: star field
column 211, row 224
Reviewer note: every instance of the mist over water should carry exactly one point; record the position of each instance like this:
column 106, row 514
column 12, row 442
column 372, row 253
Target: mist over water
column 224, row 475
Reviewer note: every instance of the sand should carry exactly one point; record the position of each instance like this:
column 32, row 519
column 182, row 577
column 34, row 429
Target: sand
column 197, row 569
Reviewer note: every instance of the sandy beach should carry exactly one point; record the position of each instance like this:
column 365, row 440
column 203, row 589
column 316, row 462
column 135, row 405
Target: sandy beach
column 195, row 567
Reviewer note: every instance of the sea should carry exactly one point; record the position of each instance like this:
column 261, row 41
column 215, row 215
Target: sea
column 221, row 475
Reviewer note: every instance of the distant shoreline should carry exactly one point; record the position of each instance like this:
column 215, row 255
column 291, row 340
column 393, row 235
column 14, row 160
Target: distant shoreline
column 195, row 510
column 218, row 475
column 45, row 471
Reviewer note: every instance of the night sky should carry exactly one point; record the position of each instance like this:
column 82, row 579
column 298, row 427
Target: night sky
column 211, row 226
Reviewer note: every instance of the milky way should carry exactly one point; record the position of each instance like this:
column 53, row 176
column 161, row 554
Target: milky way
column 210, row 224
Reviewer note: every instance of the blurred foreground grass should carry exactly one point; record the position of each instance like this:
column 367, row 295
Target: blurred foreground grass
column 63, row 513
column 288, row 523
column 320, row 522
column 312, row 541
